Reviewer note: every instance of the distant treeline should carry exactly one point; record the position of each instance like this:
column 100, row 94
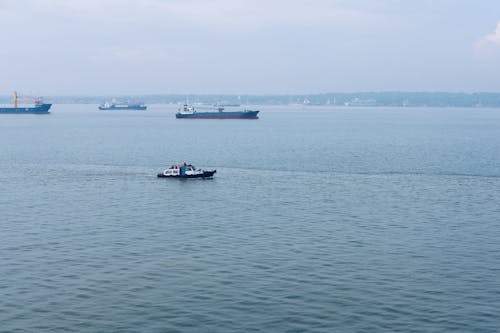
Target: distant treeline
column 410, row 99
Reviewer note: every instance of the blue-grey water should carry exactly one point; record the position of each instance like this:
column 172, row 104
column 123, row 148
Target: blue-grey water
column 318, row 220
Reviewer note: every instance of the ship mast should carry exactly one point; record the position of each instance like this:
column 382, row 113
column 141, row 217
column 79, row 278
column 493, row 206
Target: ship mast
column 18, row 99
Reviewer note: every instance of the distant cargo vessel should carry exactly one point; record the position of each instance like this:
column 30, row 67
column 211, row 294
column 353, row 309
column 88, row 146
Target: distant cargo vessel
column 38, row 108
column 361, row 102
column 122, row 106
column 188, row 112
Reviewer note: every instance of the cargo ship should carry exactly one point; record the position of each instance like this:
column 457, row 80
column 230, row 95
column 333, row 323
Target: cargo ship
column 38, row 108
column 122, row 106
column 189, row 112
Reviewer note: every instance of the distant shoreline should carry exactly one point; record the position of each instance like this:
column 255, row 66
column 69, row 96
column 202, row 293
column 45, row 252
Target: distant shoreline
column 360, row 99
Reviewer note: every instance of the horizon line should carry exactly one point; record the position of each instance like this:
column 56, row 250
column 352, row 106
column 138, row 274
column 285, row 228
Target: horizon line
column 270, row 94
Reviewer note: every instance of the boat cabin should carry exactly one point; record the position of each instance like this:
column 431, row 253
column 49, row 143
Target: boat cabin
column 187, row 109
column 180, row 170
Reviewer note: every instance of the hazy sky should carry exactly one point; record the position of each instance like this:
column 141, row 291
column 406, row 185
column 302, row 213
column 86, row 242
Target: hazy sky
column 64, row 47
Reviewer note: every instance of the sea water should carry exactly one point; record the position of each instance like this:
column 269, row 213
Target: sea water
column 317, row 220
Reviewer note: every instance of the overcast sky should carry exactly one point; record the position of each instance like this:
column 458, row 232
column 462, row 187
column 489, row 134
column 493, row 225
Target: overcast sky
column 65, row 47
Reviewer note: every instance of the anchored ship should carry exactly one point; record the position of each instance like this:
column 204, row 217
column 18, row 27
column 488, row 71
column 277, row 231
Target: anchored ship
column 122, row 106
column 38, row 108
column 189, row 112
column 361, row 102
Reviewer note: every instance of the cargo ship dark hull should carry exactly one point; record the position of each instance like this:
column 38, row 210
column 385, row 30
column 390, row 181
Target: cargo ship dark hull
column 129, row 107
column 219, row 115
column 39, row 109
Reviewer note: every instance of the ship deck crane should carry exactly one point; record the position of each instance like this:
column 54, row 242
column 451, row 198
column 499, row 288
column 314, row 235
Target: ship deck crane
column 23, row 99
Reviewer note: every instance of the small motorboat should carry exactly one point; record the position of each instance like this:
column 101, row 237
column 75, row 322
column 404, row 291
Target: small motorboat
column 186, row 171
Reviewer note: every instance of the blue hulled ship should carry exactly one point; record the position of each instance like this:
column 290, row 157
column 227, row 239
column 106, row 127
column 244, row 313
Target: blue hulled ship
column 38, row 108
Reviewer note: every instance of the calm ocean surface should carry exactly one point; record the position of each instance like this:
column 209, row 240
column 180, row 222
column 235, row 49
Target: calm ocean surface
column 318, row 220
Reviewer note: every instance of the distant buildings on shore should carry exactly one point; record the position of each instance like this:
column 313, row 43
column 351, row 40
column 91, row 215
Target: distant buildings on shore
column 363, row 99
